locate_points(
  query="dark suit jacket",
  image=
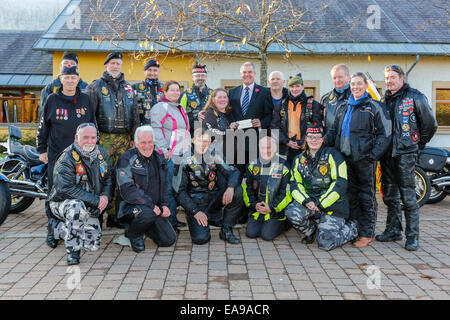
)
(260, 107)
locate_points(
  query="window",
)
(22, 105)
(443, 107)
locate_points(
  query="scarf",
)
(345, 132)
(91, 156)
(343, 89)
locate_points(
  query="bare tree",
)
(248, 30)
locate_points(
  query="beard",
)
(88, 147)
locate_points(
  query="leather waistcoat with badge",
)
(316, 173)
(147, 95)
(266, 180)
(202, 177)
(195, 103)
(305, 118)
(115, 110)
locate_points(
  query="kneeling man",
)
(81, 191)
(141, 176)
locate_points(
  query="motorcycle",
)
(435, 163)
(27, 175)
(5, 198)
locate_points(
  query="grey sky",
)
(30, 15)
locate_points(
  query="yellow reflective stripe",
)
(330, 212)
(343, 170)
(333, 167)
(255, 215)
(183, 101)
(330, 189)
(286, 200)
(297, 196)
(332, 198)
(250, 168)
(266, 216)
(245, 195)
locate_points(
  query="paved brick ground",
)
(255, 269)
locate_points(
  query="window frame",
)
(435, 86)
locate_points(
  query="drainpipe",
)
(410, 69)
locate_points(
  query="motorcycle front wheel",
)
(18, 203)
(423, 186)
(5, 201)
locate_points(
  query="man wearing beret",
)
(116, 112)
(68, 59)
(149, 91)
(194, 99)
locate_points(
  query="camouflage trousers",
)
(332, 231)
(115, 144)
(78, 228)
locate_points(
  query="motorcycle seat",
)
(30, 153)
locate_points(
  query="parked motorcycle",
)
(436, 163)
(26, 173)
(5, 198)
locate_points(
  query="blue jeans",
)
(172, 201)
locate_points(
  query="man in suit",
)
(250, 101)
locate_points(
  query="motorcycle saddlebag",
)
(432, 159)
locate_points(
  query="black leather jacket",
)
(413, 122)
(114, 105)
(333, 103)
(74, 171)
(200, 182)
(133, 179)
(147, 94)
(370, 130)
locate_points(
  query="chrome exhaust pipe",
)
(26, 193)
(441, 182)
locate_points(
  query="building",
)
(408, 34)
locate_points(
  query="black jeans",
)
(52, 157)
(200, 234)
(398, 183)
(140, 220)
(361, 190)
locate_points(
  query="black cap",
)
(70, 70)
(113, 55)
(70, 56)
(198, 68)
(151, 63)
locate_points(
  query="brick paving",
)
(255, 269)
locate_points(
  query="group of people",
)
(139, 151)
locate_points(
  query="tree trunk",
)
(263, 68)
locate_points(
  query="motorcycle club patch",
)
(277, 175)
(80, 169)
(137, 164)
(415, 136)
(255, 170)
(105, 91)
(405, 127)
(189, 90)
(136, 211)
(282, 112)
(255, 185)
(75, 156)
(193, 104)
(212, 176)
(323, 169)
(191, 176)
(141, 86)
(194, 183)
(211, 185)
(412, 117)
(303, 160)
(331, 96)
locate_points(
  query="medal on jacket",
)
(78, 113)
(57, 114)
(66, 112)
(80, 169)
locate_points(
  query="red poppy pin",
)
(160, 90)
(256, 90)
(75, 100)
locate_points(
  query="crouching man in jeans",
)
(141, 176)
(81, 191)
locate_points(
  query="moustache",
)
(88, 147)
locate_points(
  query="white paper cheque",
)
(244, 124)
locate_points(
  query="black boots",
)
(51, 226)
(310, 239)
(390, 235)
(226, 234)
(73, 258)
(137, 244)
(412, 244)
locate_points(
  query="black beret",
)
(70, 56)
(198, 68)
(70, 70)
(113, 55)
(151, 63)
